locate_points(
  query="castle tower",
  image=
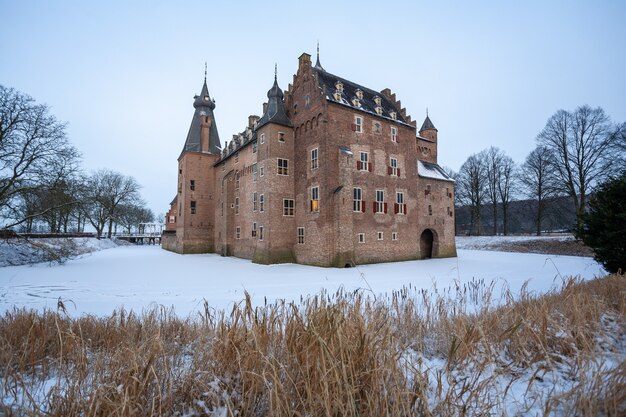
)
(275, 139)
(196, 179)
(428, 130)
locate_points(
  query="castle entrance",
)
(426, 244)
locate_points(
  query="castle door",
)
(426, 244)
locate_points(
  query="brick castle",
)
(332, 174)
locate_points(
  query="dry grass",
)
(417, 353)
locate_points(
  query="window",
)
(260, 232)
(427, 191)
(314, 162)
(288, 207)
(192, 185)
(430, 210)
(359, 94)
(361, 237)
(379, 110)
(283, 166)
(236, 205)
(379, 236)
(393, 167)
(281, 137)
(254, 229)
(262, 138)
(193, 207)
(379, 205)
(172, 219)
(261, 171)
(449, 212)
(377, 100)
(363, 163)
(254, 172)
(262, 203)
(254, 201)
(448, 193)
(358, 124)
(400, 206)
(254, 147)
(306, 101)
(237, 181)
(394, 134)
(357, 202)
(238, 232)
(339, 86)
(394, 235)
(315, 198)
(393, 115)
(300, 235)
(337, 96)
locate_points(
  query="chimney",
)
(304, 62)
(252, 119)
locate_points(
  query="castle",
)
(332, 174)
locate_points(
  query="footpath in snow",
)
(138, 277)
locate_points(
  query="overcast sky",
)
(123, 74)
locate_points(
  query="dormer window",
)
(337, 96)
(356, 102)
(379, 110)
(339, 86)
(393, 115)
(377, 100)
(359, 94)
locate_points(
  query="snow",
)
(487, 242)
(138, 277)
(431, 171)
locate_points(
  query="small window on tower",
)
(281, 137)
(193, 207)
(192, 185)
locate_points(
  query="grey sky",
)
(123, 74)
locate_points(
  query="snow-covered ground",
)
(137, 277)
(487, 242)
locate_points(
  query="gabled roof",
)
(327, 82)
(432, 171)
(427, 124)
(204, 106)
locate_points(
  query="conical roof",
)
(204, 106)
(427, 125)
(275, 107)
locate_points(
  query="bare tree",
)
(34, 154)
(581, 143)
(539, 181)
(506, 183)
(131, 215)
(471, 189)
(106, 192)
(492, 160)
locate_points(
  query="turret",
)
(428, 129)
(203, 136)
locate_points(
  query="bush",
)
(603, 227)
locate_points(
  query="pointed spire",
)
(275, 112)
(205, 72)
(428, 124)
(317, 61)
(275, 71)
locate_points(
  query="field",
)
(488, 333)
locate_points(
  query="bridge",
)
(147, 234)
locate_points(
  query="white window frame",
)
(358, 123)
(393, 163)
(254, 201)
(254, 230)
(394, 235)
(262, 203)
(315, 196)
(289, 210)
(400, 202)
(300, 235)
(262, 171)
(357, 203)
(364, 157)
(314, 158)
(237, 206)
(380, 203)
(262, 139)
(394, 134)
(379, 236)
(261, 229)
(361, 237)
(238, 232)
(281, 137)
(284, 169)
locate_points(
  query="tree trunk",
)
(505, 220)
(110, 228)
(494, 208)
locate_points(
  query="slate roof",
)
(327, 82)
(432, 171)
(204, 106)
(275, 108)
(428, 124)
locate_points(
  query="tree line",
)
(575, 152)
(42, 183)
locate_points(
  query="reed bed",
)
(453, 352)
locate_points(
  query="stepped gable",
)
(204, 106)
(327, 82)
